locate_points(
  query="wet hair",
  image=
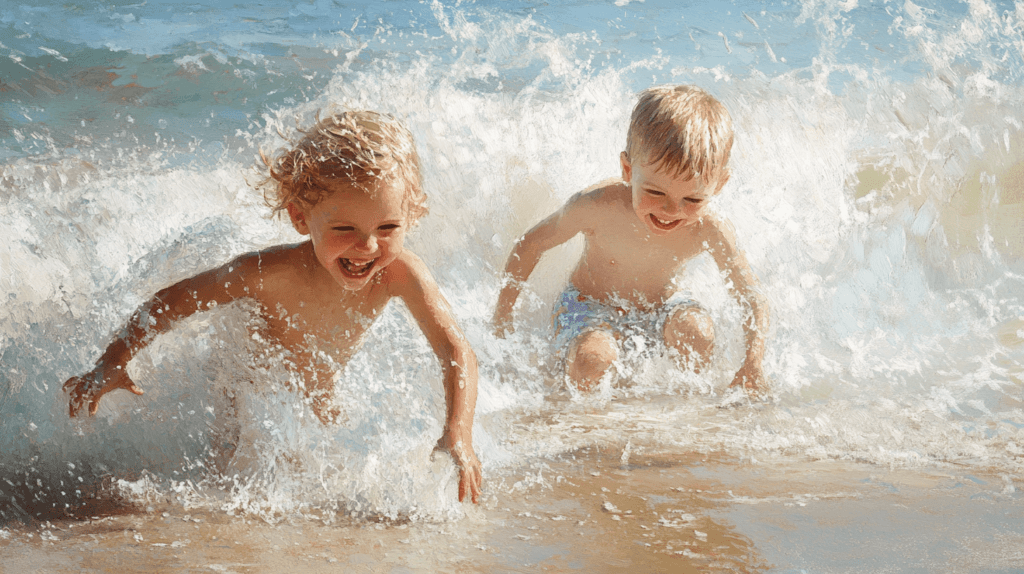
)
(682, 129)
(361, 148)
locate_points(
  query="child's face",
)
(663, 201)
(355, 233)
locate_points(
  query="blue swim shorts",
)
(575, 314)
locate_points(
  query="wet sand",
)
(588, 512)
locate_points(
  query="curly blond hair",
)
(362, 148)
(682, 128)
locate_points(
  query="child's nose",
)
(671, 207)
(369, 243)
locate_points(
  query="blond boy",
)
(638, 233)
(351, 184)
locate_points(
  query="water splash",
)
(877, 189)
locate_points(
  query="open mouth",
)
(356, 268)
(664, 225)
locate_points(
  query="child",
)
(638, 234)
(352, 184)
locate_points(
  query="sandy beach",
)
(586, 512)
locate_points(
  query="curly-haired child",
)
(352, 185)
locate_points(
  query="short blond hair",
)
(683, 129)
(362, 148)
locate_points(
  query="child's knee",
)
(690, 330)
(592, 354)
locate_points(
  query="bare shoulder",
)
(405, 272)
(287, 255)
(589, 212)
(267, 267)
(610, 193)
(409, 278)
(599, 201)
(714, 229)
(719, 237)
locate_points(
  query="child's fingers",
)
(478, 481)
(94, 400)
(78, 388)
(74, 405)
(87, 390)
(469, 489)
(69, 387)
(469, 484)
(78, 404)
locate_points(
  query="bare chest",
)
(306, 323)
(634, 265)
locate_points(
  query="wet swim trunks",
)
(576, 314)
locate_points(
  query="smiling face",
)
(666, 202)
(355, 233)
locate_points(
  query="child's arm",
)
(556, 229)
(156, 316)
(744, 286)
(410, 279)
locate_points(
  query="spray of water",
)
(878, 189)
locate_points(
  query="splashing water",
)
(878, 189)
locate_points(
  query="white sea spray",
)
(877, 190)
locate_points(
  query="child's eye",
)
(343, 228)
(694, 200)
(654, 193)
(389, 227)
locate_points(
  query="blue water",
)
(878, 189)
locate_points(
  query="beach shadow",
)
(30, 497)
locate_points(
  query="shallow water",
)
(878, 189)
(587, 512)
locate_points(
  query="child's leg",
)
(590, 357)
(690, 331)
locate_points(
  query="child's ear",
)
(298, 217)
(627, 167)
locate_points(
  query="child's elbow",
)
(758, 301)
(464, 359)
(759, 307)
(459, 360)
(532, 245)
(524, 250)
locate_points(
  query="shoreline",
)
(587, 511)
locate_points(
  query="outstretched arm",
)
(155, 316)
(411, 280)
(744, 286)
(555, 230)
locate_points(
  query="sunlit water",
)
(878, 189)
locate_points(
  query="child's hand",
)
(470, 473)
(750, 377)
(88, 388)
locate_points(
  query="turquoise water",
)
(878, 189)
